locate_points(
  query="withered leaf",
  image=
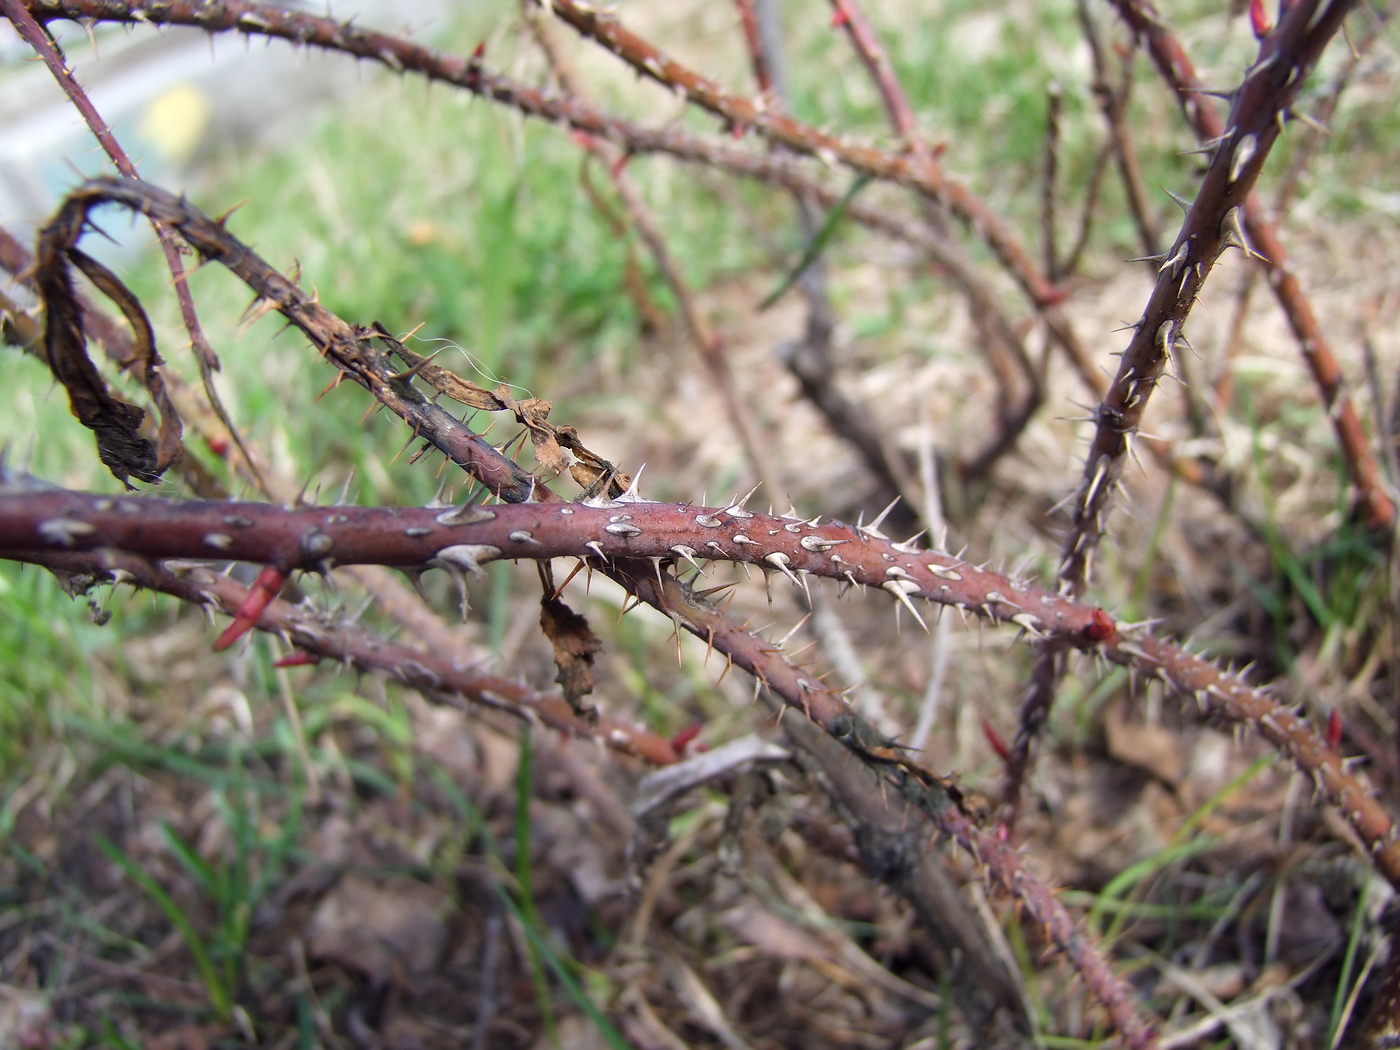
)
(115, 423)
(556, 448)
(144, 355)
(574, 647)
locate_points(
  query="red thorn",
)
(478, 53)
(619, 164)
(685, 736)
(839, 17)
(264, 589)
(994, 738)
(582, 139)
(736, 130)
(1100, 628)
(218, 444)
(300, 658)
(1334, 729)
(1259, 19)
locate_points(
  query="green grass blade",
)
(1339, 1000)
(540, 944)
(200, 870)
(818, 242)
(219, 996)
(529, 914)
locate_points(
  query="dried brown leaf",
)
(115, 423)
(1151, 748)
(557, 448)
(575, 645)
(144, 360)
(393, 930)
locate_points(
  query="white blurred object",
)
(168, 94)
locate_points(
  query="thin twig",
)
(850, 17)
(917, 171)
(396, 53)
(1113, 102)
(1019, 382)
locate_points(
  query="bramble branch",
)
(661, 537)
(352, 350)
(1211, 226)
(1179, 73)
(918, 170)
(778, 169)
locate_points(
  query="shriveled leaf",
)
(145, 358)
(574, 647)
(557, 448)
(393, 930)
(115, 423)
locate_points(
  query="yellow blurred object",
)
(422, 233)
(175, 122)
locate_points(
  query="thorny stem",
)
(625, 533)
(400, 602)
(1222, 691)
(328, 638)
(919, 173)
(401, 55)
(351, 349)
(638, 538)
(775, 169)
(312, 537)
(1317, 130)
(1211, 225)
(1179, 73)
(706, 339)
